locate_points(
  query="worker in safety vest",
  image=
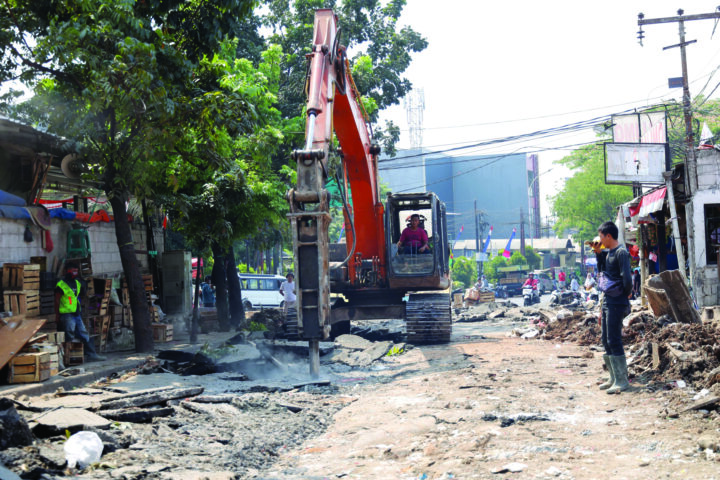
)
(67, 301)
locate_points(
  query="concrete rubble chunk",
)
(70, 418)
(352, 342)
(668, 294)
(14, 432)
(513, 467)
(6, 474)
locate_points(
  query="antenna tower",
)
(414, 107)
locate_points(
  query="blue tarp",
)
(62, 213)
(14, 212)
(10, 199)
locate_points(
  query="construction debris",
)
(14, 432)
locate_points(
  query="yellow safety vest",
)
(69, 299)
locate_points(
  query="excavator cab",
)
(413, 270)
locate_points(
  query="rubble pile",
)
(577, 326)
(661, 351)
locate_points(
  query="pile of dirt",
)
(677, 351)
(271, 319)
(578, 326)
(658, 349)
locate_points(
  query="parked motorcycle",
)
(501, 292)
(530, 296)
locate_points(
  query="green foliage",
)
(257, 327)
(243, 268)
(585, 202)
(490, 268)
(395, 350)
(219, 352)
(517, 258)
(464, 270)
(533, 259)
(380, 52)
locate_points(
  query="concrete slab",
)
(352, 342)
(69, 418)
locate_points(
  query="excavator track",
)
(428, 318)
(291, 325)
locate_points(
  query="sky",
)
(496, 69)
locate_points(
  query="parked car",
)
(545, 283)
(261, 290)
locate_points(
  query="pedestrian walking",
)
(287, 290)
(636, 284)
(208, 292)
(615, 281)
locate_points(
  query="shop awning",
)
(650, 202)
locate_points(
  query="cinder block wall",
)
(706, 281)
(103, 244)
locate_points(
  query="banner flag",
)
(506, 252)
(487, 241)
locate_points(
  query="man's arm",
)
(624, 259)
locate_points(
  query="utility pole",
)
(477, 239)
(522, 233)
(691, 161)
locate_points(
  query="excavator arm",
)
(332, 108)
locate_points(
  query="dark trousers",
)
(612, 317)
(75, 330)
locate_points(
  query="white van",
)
(261, 290)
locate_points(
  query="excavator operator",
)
(414, 238)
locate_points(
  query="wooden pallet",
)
(47, 302)
(29, 367)
(25, 302)
(21, 276)
(47, 347)
(147, 280)
(485, 297)
(162, 332)
(73, 353)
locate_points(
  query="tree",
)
(380, 51)
(517, 258)
(491, 267)
(121, 78)
(533, 259)
(585, 202)
(464, 270)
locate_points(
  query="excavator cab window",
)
(412, 263)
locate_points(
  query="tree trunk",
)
(237, 312)
(195, 322)
(219, 279)
(276, 259)
(131, 267)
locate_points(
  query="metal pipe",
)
(675, 227)
(311, 132)
(314, 350)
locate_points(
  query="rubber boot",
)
(621, 376)
(609, 382)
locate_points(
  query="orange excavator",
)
(369, 276)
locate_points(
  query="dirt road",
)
(485, 406)
(470, 409)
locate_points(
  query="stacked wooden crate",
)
(162, 332)
(73, 353)
(50, 343)
(99, 317)
(21, 288)
(29, 367)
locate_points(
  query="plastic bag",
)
(82, 449)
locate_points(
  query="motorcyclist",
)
(532, 282)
